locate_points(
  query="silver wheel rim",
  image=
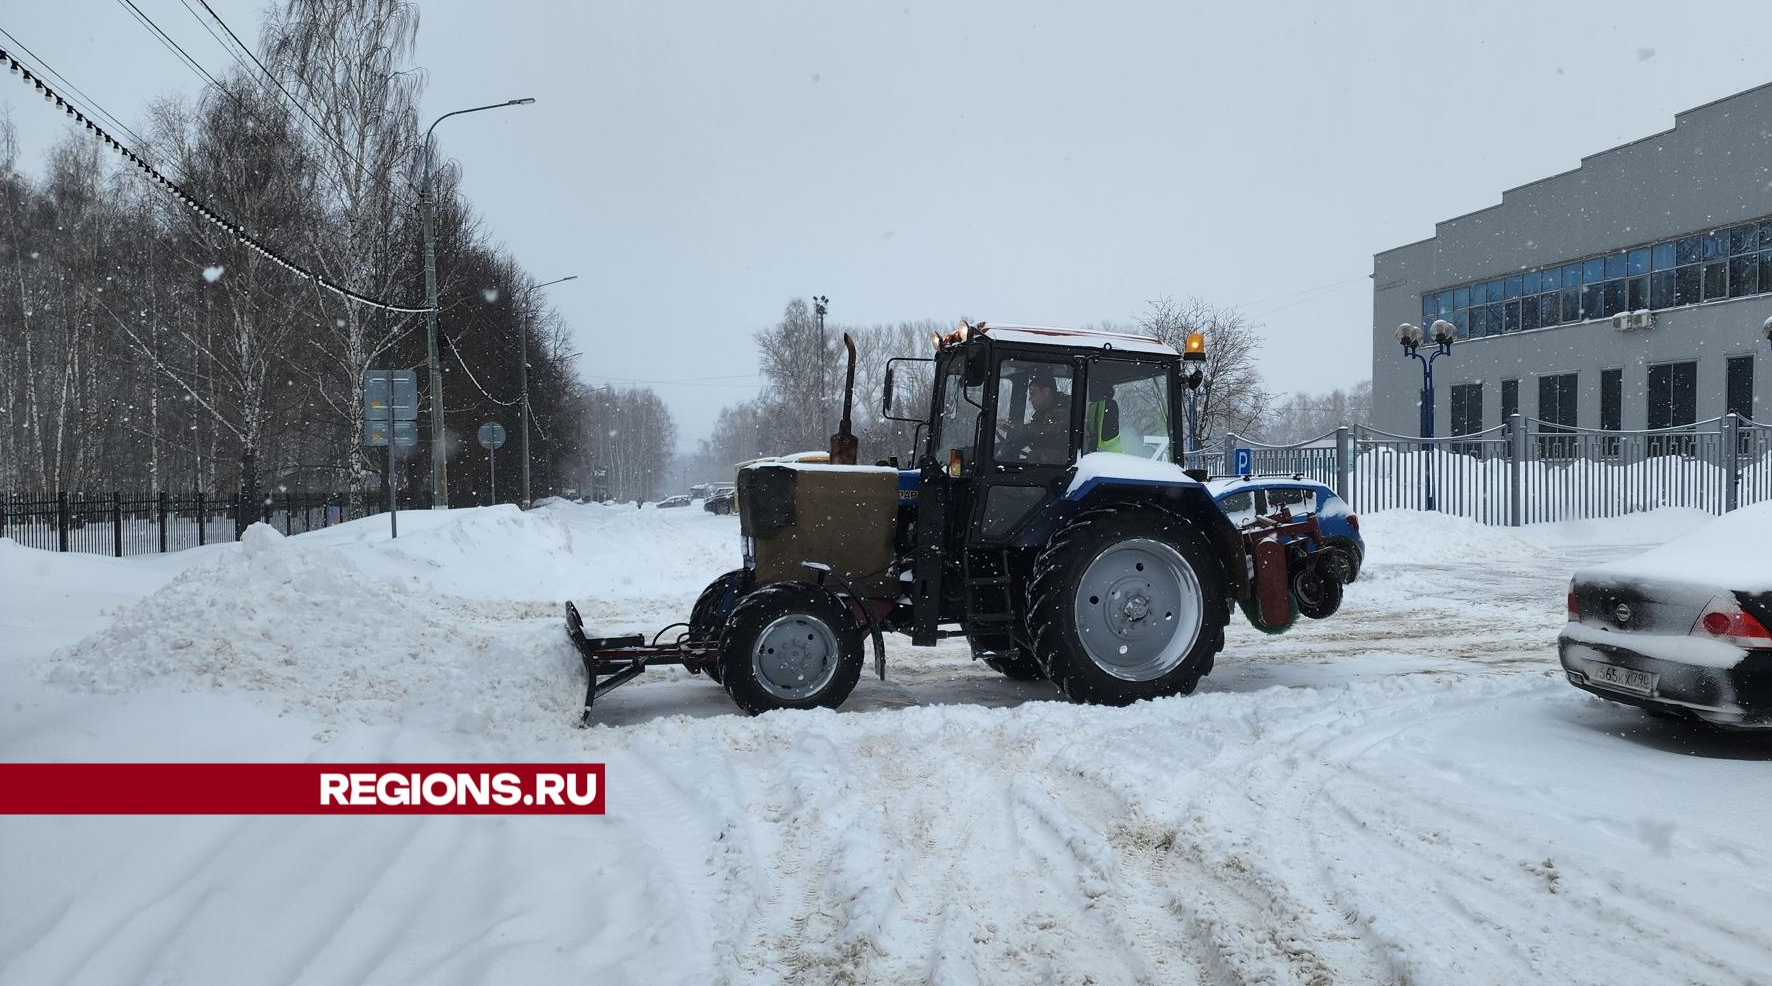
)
(1138, 609)
(795, 657)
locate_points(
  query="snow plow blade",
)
(611, 662)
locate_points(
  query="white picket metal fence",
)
(1528, 471)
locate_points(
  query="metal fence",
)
(121, 524)
(1529, 471)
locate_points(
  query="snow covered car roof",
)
(1732, 552)
(1046, 335)
(1218, 487)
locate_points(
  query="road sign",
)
(378, 394)
(492, 435)
(376, 433)
(1245, 462)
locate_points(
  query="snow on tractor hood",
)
(1118, 467)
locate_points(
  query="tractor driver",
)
(1046, 435)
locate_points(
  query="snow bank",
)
(460, 618)
(1419, 537)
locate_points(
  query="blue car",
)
(1245, 498)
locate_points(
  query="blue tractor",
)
(1048, 521)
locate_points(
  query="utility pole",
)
(523, 379)
(439, 463)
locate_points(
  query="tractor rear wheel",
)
(1014, 663)
(708, 617)
(790, 645)
(1127, 603)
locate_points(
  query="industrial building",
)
(1627, 293)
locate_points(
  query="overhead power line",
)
(112, 119)
(194, 204)
(318, 130)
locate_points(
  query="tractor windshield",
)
(957, 428)
(1129, 409)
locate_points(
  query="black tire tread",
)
(1046, 592)
(754, 612)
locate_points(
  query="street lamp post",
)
(523, 381)
(439, 471)
(1411, 337)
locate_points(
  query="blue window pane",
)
(1479, 322)
(1766, 270)
(1461, 321)
(1716, 245)
(1550, 278)
(1510, 317)
(1615, 266)
(1687, 251)
(1744, 275)
(1593, 271)
(1663, 256)
(1741, 239)
(1686, 284)
(1661, 289)
(1427, 310)
(1572, 276)
(1593, 299)
(1445, 301)
(1571, 304)
(1461, 298)
(1530, 283)
(1549, 313)
(1614, 299)
(1495, 319)
(1716, 281)
(1492, 292)
(1637, 262)
(1510, 288)
(1765, 236)
(1639, 294)
(1528, 314)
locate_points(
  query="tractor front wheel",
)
(1127, 603)
(790, 645)
(708, 617)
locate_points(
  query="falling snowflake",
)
(213, 274)
(491, 295)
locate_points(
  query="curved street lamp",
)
(1444, 334)
(439, 465)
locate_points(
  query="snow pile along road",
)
(1406, 793)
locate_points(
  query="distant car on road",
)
(673, 501)
(1245, 498)
(719, 502)
(1681, 630)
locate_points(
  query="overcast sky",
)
(698, 164)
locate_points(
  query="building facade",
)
(1628, 293)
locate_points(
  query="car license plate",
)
(1623, 679)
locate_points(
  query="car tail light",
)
(1725, 620)
(1353, 521)
(1574, 608)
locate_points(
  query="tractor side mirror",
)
(977, 368)
(886, 401)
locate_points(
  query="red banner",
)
(300, 789)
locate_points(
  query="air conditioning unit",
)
(1625, 321)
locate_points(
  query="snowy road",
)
(1408, 793)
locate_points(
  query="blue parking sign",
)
(1245, 462)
